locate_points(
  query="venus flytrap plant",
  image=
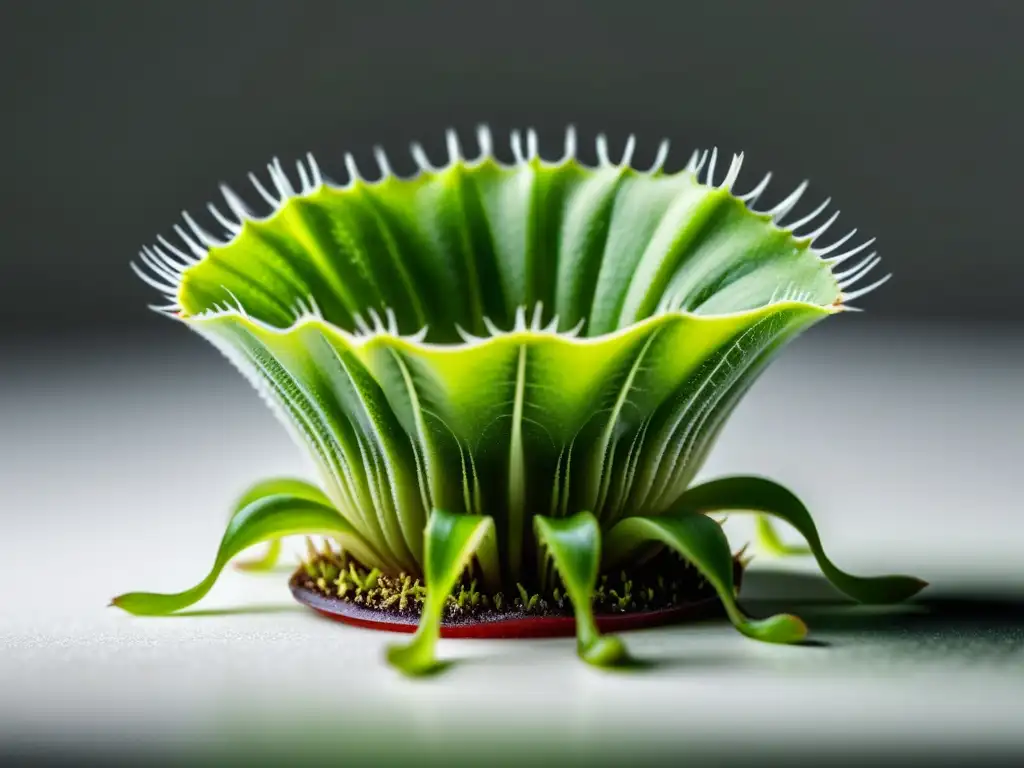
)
(507, 377)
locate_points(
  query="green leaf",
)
(450, 541)
(768, 541)
(574, 544)
(272, 487)
(701, 540)
(265, 519)
(757, 494)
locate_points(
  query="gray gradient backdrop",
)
(118, 114)
(123, 437)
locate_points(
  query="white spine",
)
(162, 266)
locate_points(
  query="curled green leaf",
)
(267, 518)
(702, 541)
(450, 541)
(758, 494)
(574, 544)
(273, 487)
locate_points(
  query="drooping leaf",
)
(702, 541)
(272, 487)
(267, 518)
(450, 541)
(757, 494)
(769, 542)
(574, 544)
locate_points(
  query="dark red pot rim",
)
(503, 626)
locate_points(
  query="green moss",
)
(664, 582)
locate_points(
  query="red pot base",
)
(508, 625)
